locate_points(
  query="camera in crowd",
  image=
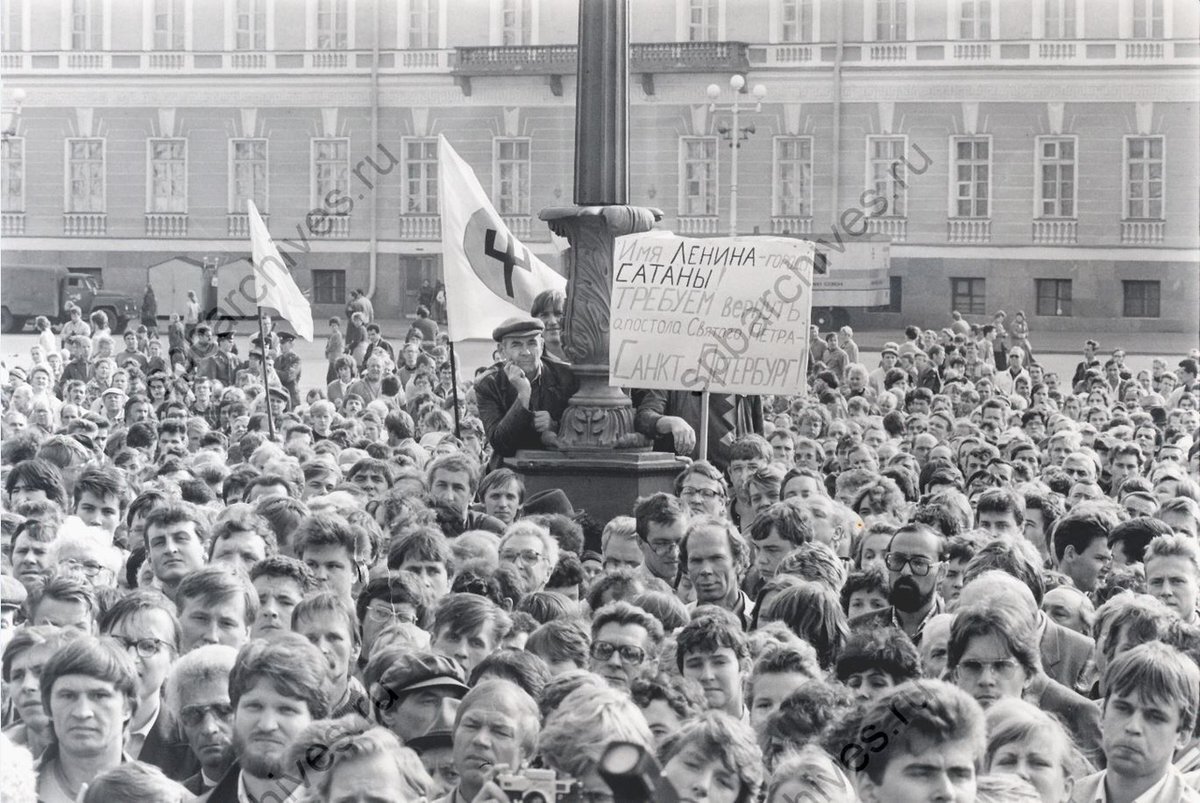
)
(538, 786)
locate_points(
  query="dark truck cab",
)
(32, 290)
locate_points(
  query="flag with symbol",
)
(274, 285)
(490, 274)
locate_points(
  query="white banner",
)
(728, 314)
(490, 275)
(275, 286)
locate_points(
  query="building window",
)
(1144, 178)
(87, 24)
(516, 25)
(793, 176)
(329, 286)
(1147, 19)
(968, 296)
(512, 176)
(85, 175)
(975, 19)
(891, 20)
(703, 20)
(972, 177)
(251, 19)
(168, 175)
(331, 169)
(248, 174)
(12, 173)
(1056, 168)
(1060, 19)
(698, 176)
(796, 20)
(169, 22)
(1141, 299)
(1054, 298)
(888, 174)
(332, 25)
(421, 176)
(423, 24)
(11, 39)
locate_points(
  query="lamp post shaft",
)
(735, 143)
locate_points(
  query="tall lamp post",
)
(735, 133)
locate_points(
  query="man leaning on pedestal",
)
(523, 397)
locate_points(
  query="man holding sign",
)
(523, 397)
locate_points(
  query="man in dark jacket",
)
(522, 399)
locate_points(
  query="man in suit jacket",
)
(1066, 655)
(1079, 715)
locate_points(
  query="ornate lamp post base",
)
(599, 417)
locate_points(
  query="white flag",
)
(275, 286)
(490, 275)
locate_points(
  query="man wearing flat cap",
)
(414, 692)
(522, 397)
(223, 364)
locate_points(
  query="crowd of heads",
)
(955, 575)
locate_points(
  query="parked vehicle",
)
(32, 290)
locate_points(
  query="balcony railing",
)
(520, 225)
(1143, 232)
(12, 224)
(1028, 52)
(330, 227)
(1055, 232)
(237, 224)
(233, 61)
(656, 57)
(791, 225)
(85, 224)
(894, 227)
(689, 224)
(420, 227)
(166, 224)
(969, 230)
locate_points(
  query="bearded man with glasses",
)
(916, 566)
(625, 644)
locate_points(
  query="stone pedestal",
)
(604, 483)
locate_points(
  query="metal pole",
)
(735, 142)
(704, 399)
(454, 391)
(262, 339)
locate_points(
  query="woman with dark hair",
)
(992, 654)
(549, 306)
(814, 613)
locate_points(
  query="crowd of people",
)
(951, 576)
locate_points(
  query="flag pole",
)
(454, 391)
(704, 403)
(262, 340)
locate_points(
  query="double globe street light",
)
(735, 133)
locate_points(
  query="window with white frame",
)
(793, 176)
(87, 24)
(887, 175)
(796, 20)
(703, 20)
(168, 175)
(11, 38)
(698, 176)
(972, 177)
(891, 20)
(332, 24)
(331, 169)
(1147, 19)
(12, 173)
(1056, 175)
(975, 19)
(169, 21)
(1144, 178)
(1059, 19)
(250, 19)
(516, 22)
(423, 24)
(247, 174)
(511, 165)
(85, 175)
(421, 176)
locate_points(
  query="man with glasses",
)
(397, 599)
(915, 567)
(661, 524)
(702, 488)
(625, 644)
(86, 556)
(197, 698)
(532, 551)
(145, 625)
